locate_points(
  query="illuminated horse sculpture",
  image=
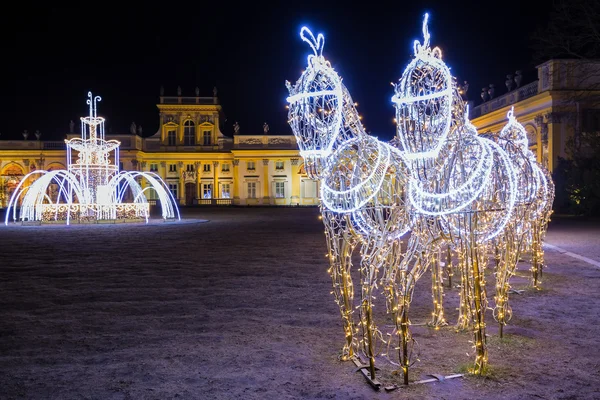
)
(467, 183)
(362, 183)
(533, 208)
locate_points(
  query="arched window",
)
(189, 133)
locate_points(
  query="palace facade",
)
(563, 101)
(200, 164)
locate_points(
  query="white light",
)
(92, 188)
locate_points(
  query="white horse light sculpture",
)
(482, 191)
(362, 183)
(526, 230)
(465, 181)
(92, 188)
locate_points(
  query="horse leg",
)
(437, 292)
(341, 245)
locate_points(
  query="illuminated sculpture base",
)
(82, 213)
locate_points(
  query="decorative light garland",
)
(92, 188)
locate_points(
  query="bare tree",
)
(573, 33)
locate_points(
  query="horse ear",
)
(309, 38)
(320, 43)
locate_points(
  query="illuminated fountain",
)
(92, 188)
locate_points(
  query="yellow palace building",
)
(565, 99)
(200, 164)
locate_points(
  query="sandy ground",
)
(240, 307)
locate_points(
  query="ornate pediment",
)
(188, 175)
(250, 141)
(279, 140)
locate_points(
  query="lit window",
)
(153, 167)
(225, 167)
(279, 165)
(206, 191)
(279, 189)
(250, 166)
(225, 190)
(173, 189)
(251, 190)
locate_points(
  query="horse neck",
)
(428, 168)
(351, 126)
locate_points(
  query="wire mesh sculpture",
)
(362, 183)
(92, 188)
(455, 173)
(482, 191)
(532, 212)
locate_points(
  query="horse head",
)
(315, 107)
(424, 99)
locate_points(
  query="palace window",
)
(189, 133)
(279, 165)
(171, 138)
(151, 194)
(206, 167)
(250, 166)
(172, 167)
(173, 189)
(153, 167)
(189, 167)
(207, 191)
(225, 167)
(279, 189)
(206, 137)
(225, 190)
(309, 189)
(251, 190)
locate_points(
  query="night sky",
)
(54, 55)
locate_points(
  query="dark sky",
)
(55, 55)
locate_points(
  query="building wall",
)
(551, 109)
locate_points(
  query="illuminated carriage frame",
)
(92, 188)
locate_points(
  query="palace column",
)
(181, 182)
(142, 165)
(197, 166)
(542, 137)
(295, 182)
(215, 191)
(163, 170)
(236, 181)
(266, 198)
(555, 139)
